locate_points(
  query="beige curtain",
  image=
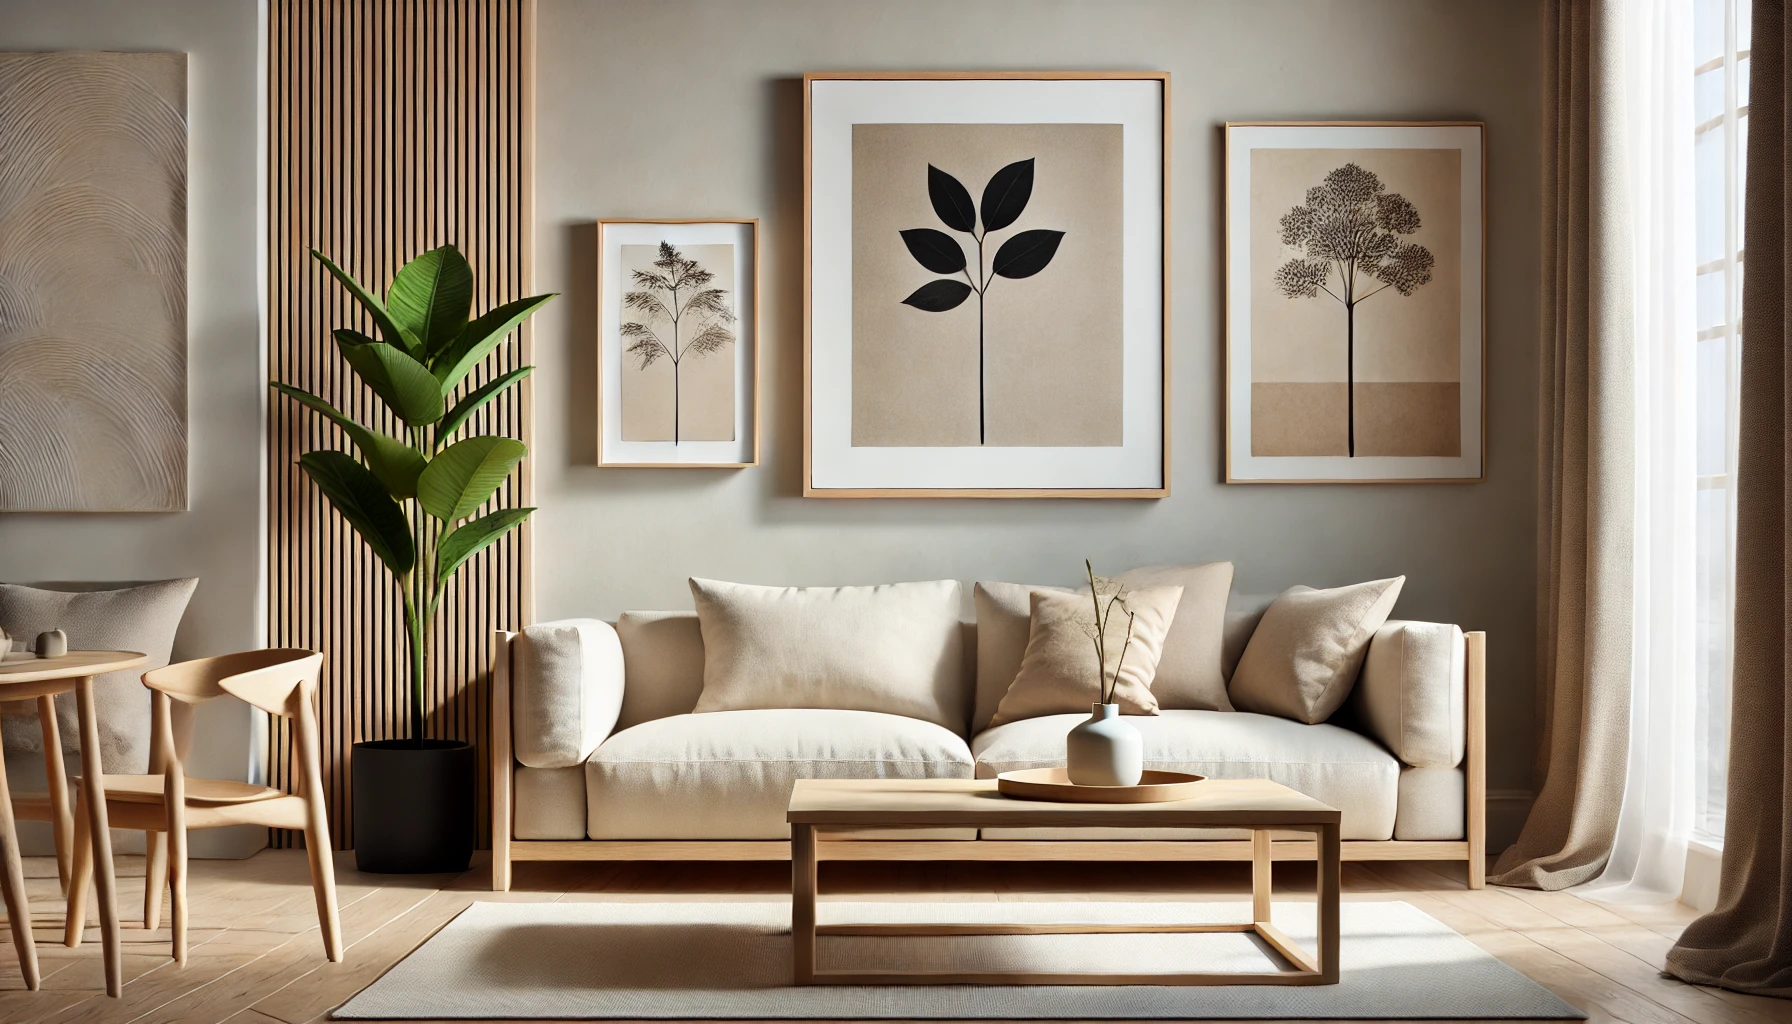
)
(1746, 943)
(1586, 456)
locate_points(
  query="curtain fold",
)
(1586, 439)
(1746, 942)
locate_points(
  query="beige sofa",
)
(596, 755)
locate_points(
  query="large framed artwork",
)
(1355, 257)
(678, 343)
(985, 284)
(93, 282)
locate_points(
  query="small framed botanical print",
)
(1354, 302)
(678, 343)
(985, 284)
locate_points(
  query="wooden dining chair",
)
(280, 682)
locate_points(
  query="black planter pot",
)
(413, 806)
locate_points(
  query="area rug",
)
(731, 961)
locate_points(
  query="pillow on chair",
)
(141, 618)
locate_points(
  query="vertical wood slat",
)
(395, 126)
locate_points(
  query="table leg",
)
(62, 820)
(12, 884)
(100, 835)
(802, 903)
(1260, 874)
(1330, 855)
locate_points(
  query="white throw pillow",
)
(1304, 657)
(896, 648)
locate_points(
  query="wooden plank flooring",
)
(257, 958)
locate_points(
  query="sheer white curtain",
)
(1649, 855)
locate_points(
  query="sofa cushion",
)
(1189, 674)
(662, 656)
(1412, 692)
(728, 774)
(1004, 622)
(566, 690)
(1305, 653)
(897, 649)
(1060, 673)
(549, 803)
(138, 618)
(1432, 804)
(1346, 770)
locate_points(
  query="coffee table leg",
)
(1329, 884)
(1260, 875)
(802, 903)
(106, 882)
(12, 882)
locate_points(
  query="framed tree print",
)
(1355, 298)
(678, 343)
(985, 284)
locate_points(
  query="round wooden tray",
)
(1054, 784)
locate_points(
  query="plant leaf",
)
(951, 200)
(360, 499)
(935, 250)
(478, 338)
(405, 385)
(470, 538)
(471, 403)
(430, 297)
(390, 331)
(939, 296)
(1006, 195)
(395, 463)
(1026, 254)
(464, 475)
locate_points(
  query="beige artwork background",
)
(93, 282)
(1053, 341)
(1408, 347)
(706, 382)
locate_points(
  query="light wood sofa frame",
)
(506, 850)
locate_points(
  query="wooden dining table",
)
(42, 679)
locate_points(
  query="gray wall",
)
(219, 538)
(690, 109)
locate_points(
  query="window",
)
(1720, 115)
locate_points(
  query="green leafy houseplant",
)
(415, 501)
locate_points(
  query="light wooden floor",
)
(257, 958)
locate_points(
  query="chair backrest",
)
(272, 680)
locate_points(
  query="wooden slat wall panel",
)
(394, 126)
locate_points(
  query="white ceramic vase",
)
(1105, 750)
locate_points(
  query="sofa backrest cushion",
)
(1189, 674)
(140, 617)
(895, 648)
(662, 656)
(566, 690)
(1304, 656)
(1004, 622)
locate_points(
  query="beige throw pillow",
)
(1304, 657)
(1058, 674)
(897, 649)
(1004, 620)
(1190, 676)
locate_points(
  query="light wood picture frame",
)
(914, 385)
(678, 343)
(1328, 379)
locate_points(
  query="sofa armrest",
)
(1412, 693)
(565, 691)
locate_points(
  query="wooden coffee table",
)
(820, 805)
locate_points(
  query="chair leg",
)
(155, 877)
(323, 884)
(80, 875)
(177, 878)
